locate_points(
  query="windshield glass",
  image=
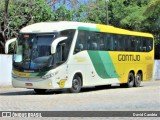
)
(34, 52)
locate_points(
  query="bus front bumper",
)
(34, 83)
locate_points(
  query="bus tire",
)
(40, 91)
(138, 80)
(76, 84)
(130, 82)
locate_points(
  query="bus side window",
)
(115, 39)
(133, 43)
(100, 41)
(121, 42)
(144, 45)
(149, 44)
(128, 43)
(136, 44)
(111, 42)
(108, 42)
(92, 42)
(69, 34)
(140, 49)
(81, 42)
(96, 42)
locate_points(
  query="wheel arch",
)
(132, 71)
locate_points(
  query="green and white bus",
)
(57, 55)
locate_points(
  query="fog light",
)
(50, 84)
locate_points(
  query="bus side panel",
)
(133, 61)
(95, 67)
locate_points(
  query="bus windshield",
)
(34, 52)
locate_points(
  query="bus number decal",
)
(62, 83)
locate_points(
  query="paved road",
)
(144, 98)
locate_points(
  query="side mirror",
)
(55, 43)
(8, 42)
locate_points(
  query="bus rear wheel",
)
(40, 91)
(138, 80)
(130, 82)
(76, 84)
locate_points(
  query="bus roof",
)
(49, 27)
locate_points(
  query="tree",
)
(153, 19)
(19, 13)
(70, 10)
(95, 11)
(128, 13)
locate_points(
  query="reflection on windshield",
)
(33, 52)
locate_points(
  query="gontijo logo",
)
(128, 57)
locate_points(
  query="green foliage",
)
(153, 19)
(96, 11)
(62, 13)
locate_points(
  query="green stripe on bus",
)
(103, 64)
(89, 29)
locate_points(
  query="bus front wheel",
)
(76, 84)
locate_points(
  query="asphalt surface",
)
(144, 98)
(115, 98)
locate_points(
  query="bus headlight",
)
(14, 76)
(48, 76)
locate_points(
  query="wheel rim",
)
(131, 79)
(138, 79)
(76, 84)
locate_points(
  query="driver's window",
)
(60, 55)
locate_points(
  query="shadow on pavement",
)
(64, 91)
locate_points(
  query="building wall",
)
(5, 69)
(156, 75)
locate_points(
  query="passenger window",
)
(81, 41)
(128, 44)
(133, 44)
(149, 44)
(115, 39)
(92, 41)
(95, 41)
(137, 44)
(121, 42)
(109, 42)
(144, 44)
(100, 41)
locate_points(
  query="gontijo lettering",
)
(126, 57)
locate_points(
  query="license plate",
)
(28, 84)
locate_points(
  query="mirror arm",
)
(55, 43)
(8, 42)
